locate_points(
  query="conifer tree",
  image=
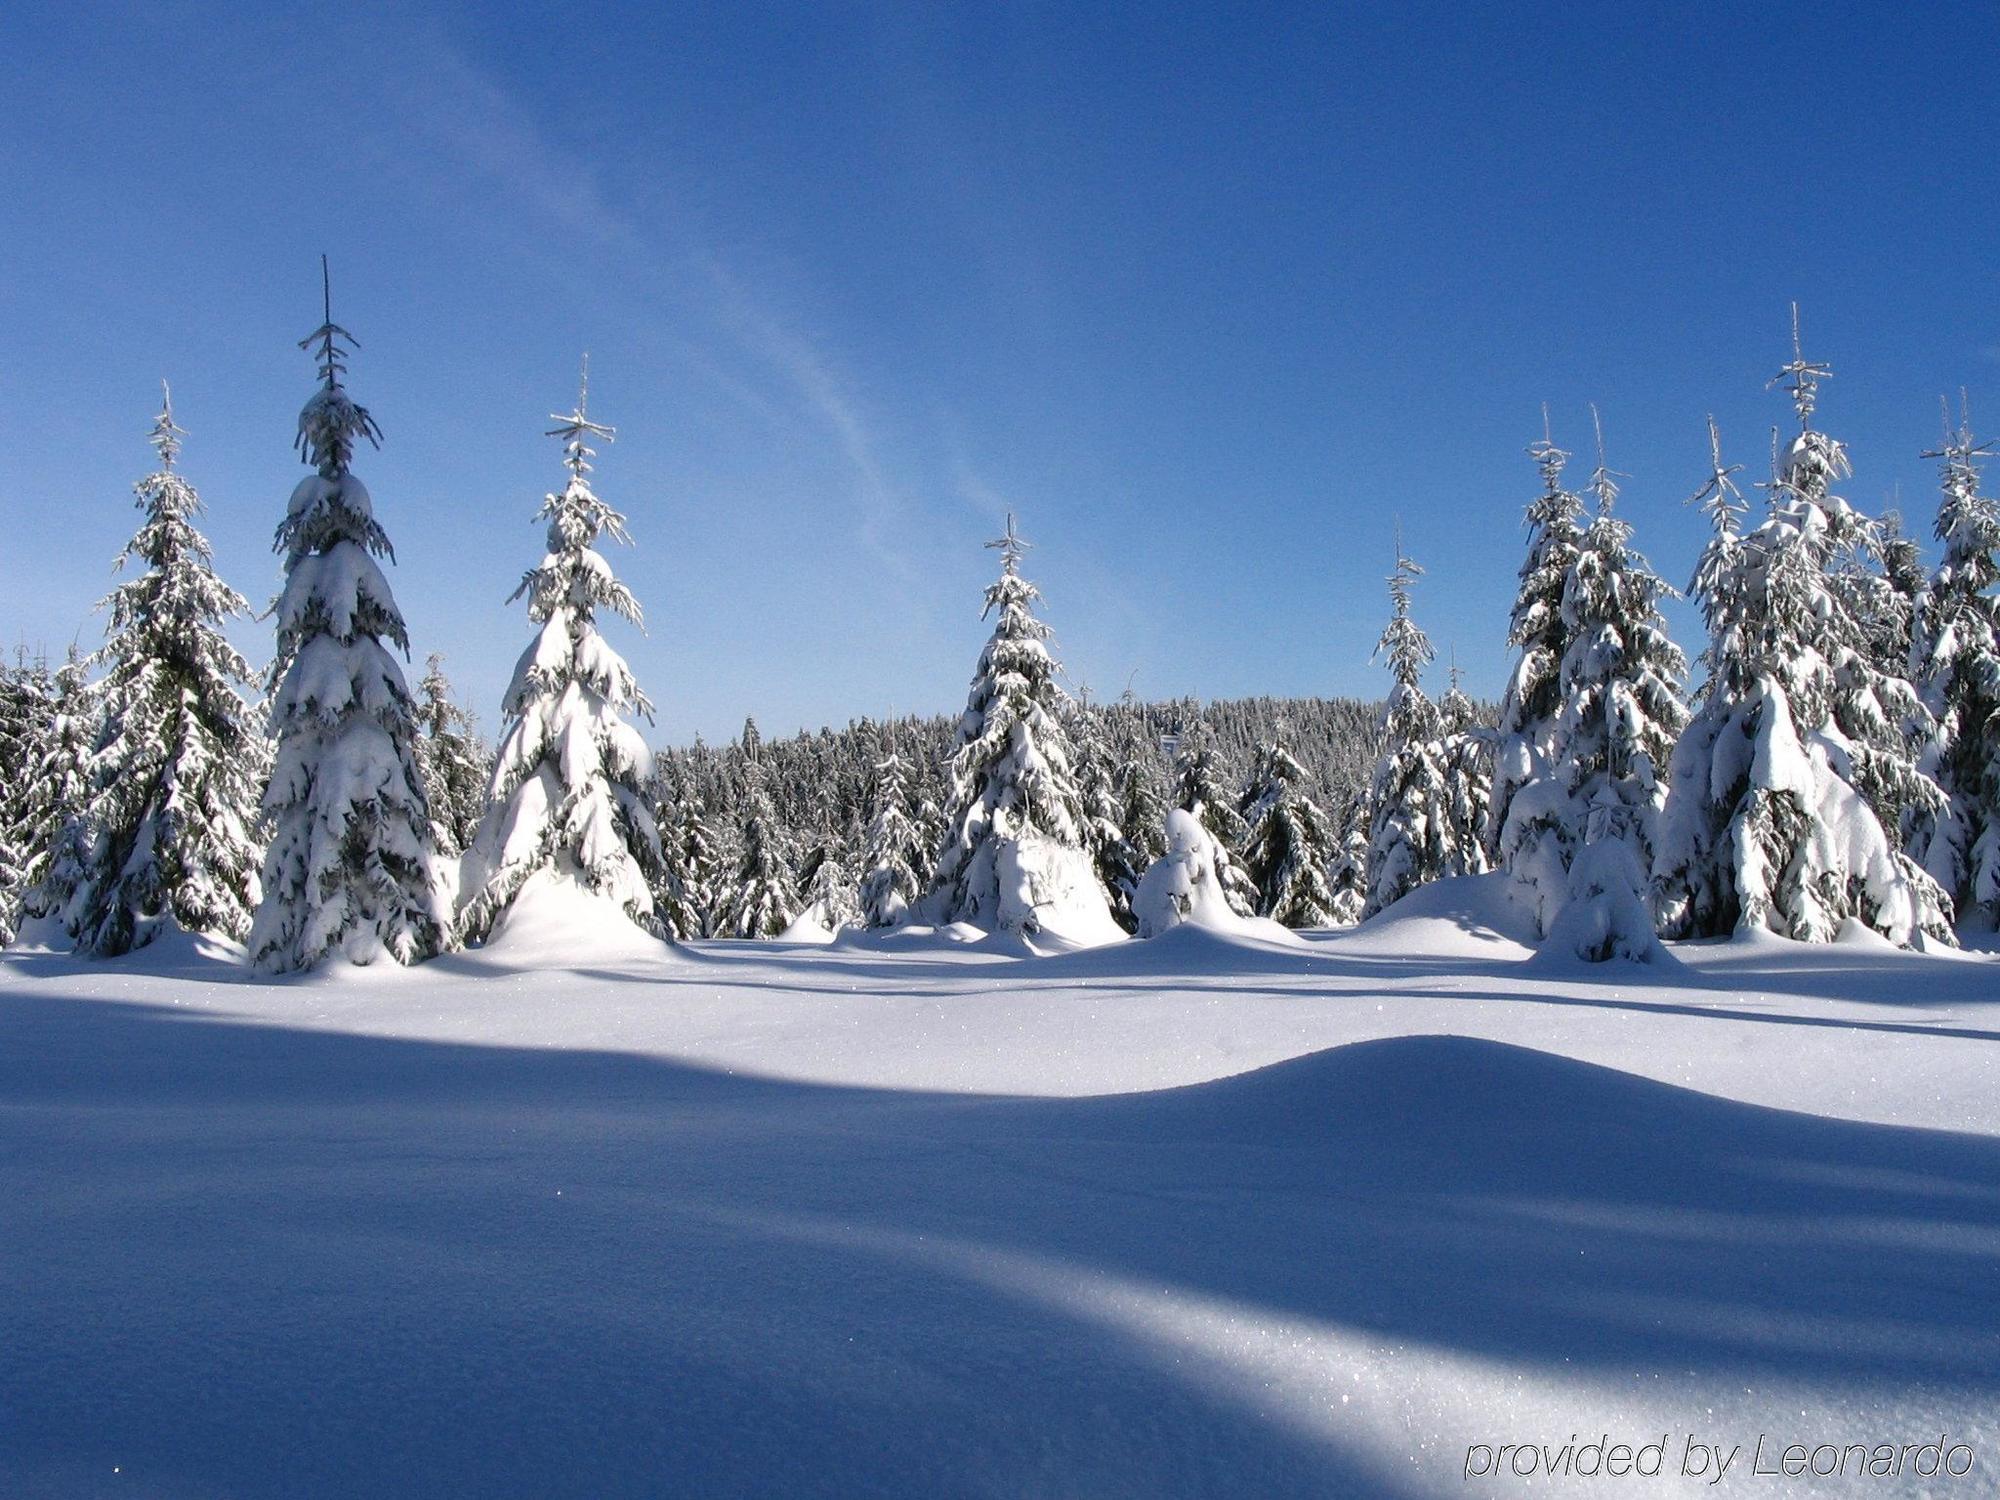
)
(890, 881)
(1622, 709)
(25, 717)
(1956, 659)
(1795, 767)
(762, 903)
(566, 799)
(1014, 856)
(1201, 791)
(1347, 872)
(1117, 863)
(827, 887)
(351, 868)
(58, 807)
(686, 893)
(455, 764)
(1465, 755)
(1289, 843)
(1407, 823)
(1142, 807)
(171, 837)
(1524, 742)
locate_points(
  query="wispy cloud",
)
(466, 126)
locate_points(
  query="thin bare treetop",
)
(1603, 478)
(1547, 456)
(1958, 444)
(1406, 572)
(1801, 377)
(165, 437)
(575, 426)
(1718, 494)
(1011, 546)
(329, 335)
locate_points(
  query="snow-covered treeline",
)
(1831, 761)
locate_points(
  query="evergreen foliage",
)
(167, 798)
(1955, 657)
(566, 796)
(1288, 843)
(351, 869)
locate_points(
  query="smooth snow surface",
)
(909, 1215)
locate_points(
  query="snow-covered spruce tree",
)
(1142, 806)
(1466, 755)
(1408, 830)
(1014, 856)
(1347, 872)
(351, 869)
(178, 762)
(761, 902)
(454, 763)
(1786, 782)
(25, 719)
(58, 822)
(686, 888)
(827, 887)
(1289, 843)
(1200, 790)
(1524, 740)
(1882, 580)
(1956, 660)
(566, 801)
(890, 881)
(1622, 709)
(1118, 864)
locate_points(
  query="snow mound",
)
(1049, 892)
(806, 927)
(1464, 916)
(1604, 918)
(1428, 1097)
(1183, 887)
(553, 921)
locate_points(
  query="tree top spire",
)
(1958, 445)
(1801, 377)
(1718, 494)
(1011, 546)
(165, 437)
(1547, 456)
(576, 426)
(329, 335)
(1603, 477)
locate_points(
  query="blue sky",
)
(1208, 295)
